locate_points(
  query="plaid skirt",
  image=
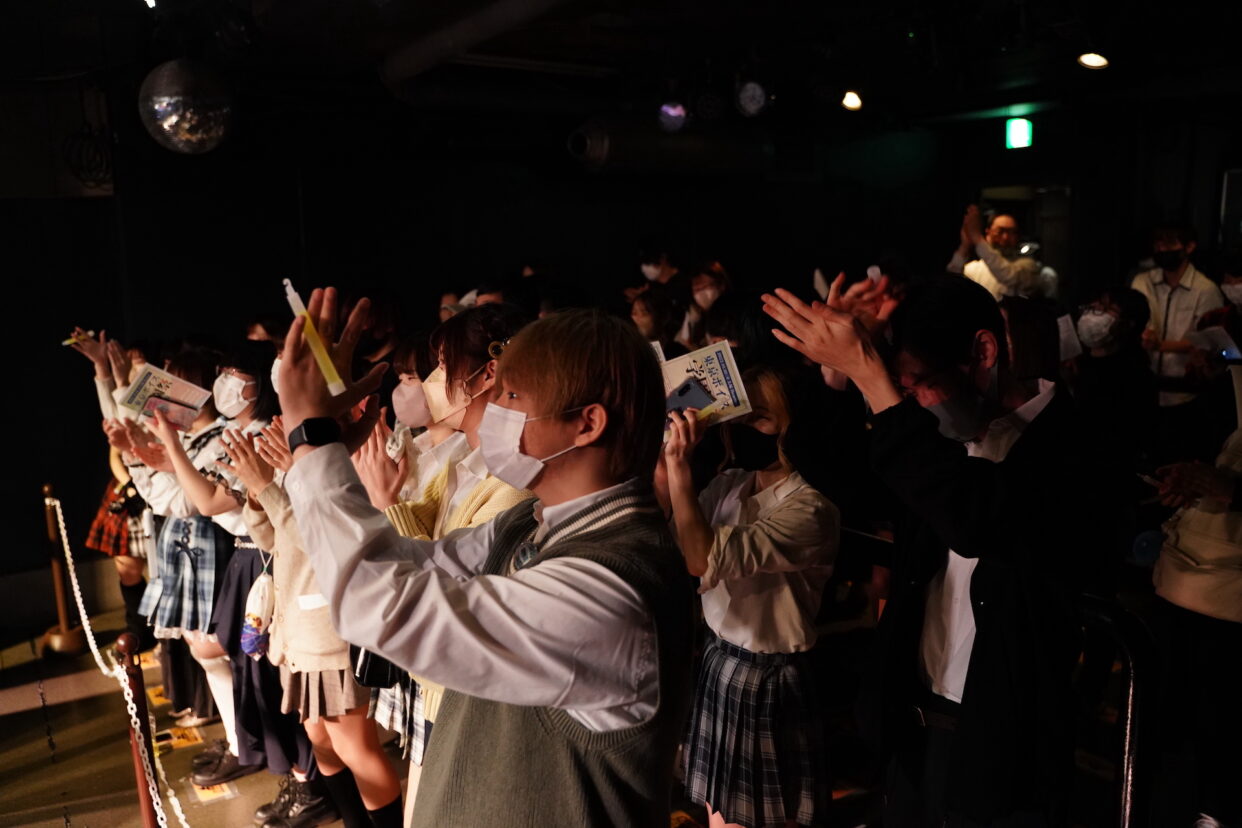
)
(193, 554)
(755, 750)
(400, 708)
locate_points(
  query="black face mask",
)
(1169, 259)
(753, 450)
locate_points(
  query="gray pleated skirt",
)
(320, 693)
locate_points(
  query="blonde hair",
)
(576, 358)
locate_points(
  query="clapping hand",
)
(867, 301)
(244, 462)
(120, 363)
(96, 350)
(381, 476)
(273, 446)
(303, 390)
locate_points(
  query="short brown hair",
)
(575, 358)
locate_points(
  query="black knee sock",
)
(390, 816)
(343, 791)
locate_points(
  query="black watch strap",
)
(315, 431)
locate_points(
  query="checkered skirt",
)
(755, 748)
(193, 555)
(400, 708)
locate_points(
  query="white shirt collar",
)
(773, 495)
(1003, 432)
(472, 464)
(549, 517)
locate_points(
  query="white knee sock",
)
(220, 682)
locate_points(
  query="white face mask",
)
(409, 403)
(1233, 292)
(228, 392)
(276, 374)
(1095, 328)
(500, 441)
(706, 297)
(651, 271)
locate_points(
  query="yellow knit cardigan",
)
(417, 519)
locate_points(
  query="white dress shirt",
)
(949, 618)
(425, 460)
(565, 633)
(463, 476)
(1175, 313)
(771, 557)
(1002, 277)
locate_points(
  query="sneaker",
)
(226, 768)
(307, 809)
(278, 806)
(190, 720)
(210, 755)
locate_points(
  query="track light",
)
(672, 116)
(1092, 60)
(852, 101)
(751, 98)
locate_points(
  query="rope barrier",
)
(151, 764)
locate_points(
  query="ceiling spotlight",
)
(1092, 60)
(751, 99)
(672, 116)
(852, 101)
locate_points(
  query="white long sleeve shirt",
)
(1002, 277)
(1175, 313)
(565, 633)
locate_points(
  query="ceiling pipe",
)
(460, 36)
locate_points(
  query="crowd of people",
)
(569, 599)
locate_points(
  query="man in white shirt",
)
(562, 627)
(990, 257)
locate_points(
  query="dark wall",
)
(388, 196)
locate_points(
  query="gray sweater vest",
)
(490, 763)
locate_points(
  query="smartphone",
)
(690, 394)
(181, 417)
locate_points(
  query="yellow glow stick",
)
(335, 386)
(74, 340)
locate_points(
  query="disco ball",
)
(185, 107)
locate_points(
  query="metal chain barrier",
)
(151, 764)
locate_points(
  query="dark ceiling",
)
(912, 62)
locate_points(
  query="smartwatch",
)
(315, 431)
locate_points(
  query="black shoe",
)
(278, 806)
(306, 810)
(210, 755)
(225, 769)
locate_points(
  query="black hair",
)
(413, 354)
(938, 321)
(195, 364)
(1170, 230)
(667, 314)
(254, 358)
(275, 325)
(465, 341)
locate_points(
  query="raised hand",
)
(303, 390)
(120, 363)
(273, 446)
(869, 302)
(972, 225)
(685, 431)
(382, 478)
(245, 462)
(834, 340)
(96, 350)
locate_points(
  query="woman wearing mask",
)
(709, 283)
(318, 685)
(462, 493)
(421, 444)
(1112, 380)
(192, 551)
(762, 542)
(246, 401)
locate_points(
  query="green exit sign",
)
(1018, 133)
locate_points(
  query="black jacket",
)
(1041, 523)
